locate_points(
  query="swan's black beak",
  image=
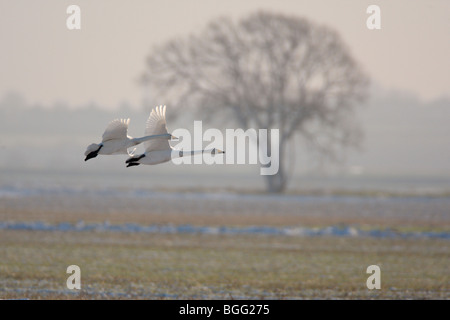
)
(218, 151)
(173, 137)
(91, 155)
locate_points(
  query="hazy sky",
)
(100, 63)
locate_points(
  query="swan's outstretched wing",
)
(156, 124)
(116, 129)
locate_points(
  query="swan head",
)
(92, 151)
(217, 151)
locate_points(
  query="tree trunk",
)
(276, 183)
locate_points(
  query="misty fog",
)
(402, 136)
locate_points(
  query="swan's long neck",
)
(155, 136)
(181, 153)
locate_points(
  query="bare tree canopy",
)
(270, 71)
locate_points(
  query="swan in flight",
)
(159, 151)
(115, 140)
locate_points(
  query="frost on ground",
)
(116, 265)
(141, 244)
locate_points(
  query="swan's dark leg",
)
(131, 160)
(131, 164)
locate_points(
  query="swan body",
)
(115, 140)
(160, 151)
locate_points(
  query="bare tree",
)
(269, 71)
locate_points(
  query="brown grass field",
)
(121, 265)
(142, 266)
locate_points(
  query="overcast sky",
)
(100, 63)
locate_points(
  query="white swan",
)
(159, 151)
(115, 140)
